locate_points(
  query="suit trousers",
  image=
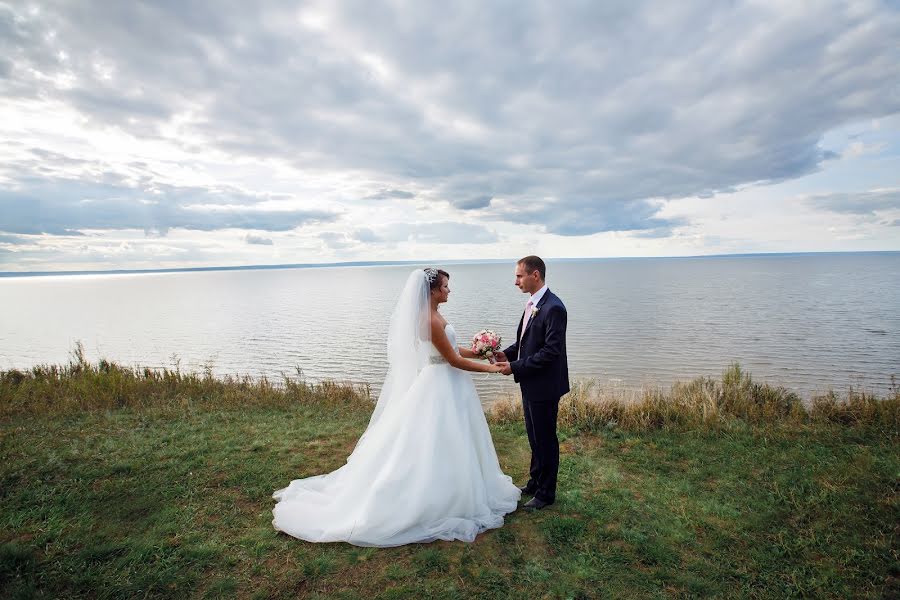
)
(540, 424)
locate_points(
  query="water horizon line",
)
(380, 263)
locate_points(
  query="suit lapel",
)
(531, 321)
(544, 299)
(519, 335)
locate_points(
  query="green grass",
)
(173, 499)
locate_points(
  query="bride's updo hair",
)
(435, 277)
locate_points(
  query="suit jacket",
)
(538, 358)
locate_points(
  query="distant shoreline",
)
(388, 263)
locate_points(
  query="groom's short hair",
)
(534, 263)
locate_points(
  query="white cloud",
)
(371, 129)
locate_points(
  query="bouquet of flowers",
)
(485, 343)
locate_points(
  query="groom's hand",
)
(505, 369)
(500, 357)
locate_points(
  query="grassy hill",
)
(120, 482)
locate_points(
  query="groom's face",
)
(529, 283)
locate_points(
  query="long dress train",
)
(425, 470)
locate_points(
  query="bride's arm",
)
(467, 353)
(443, 345)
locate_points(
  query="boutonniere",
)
(534, 312)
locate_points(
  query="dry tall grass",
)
(83, 386)
(710, 404)
(702, 403)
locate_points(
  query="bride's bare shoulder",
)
(437, 322)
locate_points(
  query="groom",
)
(539, 365)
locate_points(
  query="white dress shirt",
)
(535, 298)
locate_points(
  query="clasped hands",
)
(499, 359)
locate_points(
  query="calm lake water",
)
(808, 322)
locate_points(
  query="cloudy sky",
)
(162, 133)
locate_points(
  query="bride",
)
(425, 468)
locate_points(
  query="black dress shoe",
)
(536, 504)
(526, 491)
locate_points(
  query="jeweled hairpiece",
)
(431, 274)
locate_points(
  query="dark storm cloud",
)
(258, 240)
(61, 206)
(391, 195)
(472, 203)
(583, 115)
(861, 203)
(586, 217)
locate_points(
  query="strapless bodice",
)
(433, 353)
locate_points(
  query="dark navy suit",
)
(540, 367)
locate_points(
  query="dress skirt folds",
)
(425, 470)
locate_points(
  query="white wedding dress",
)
(425, 469)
